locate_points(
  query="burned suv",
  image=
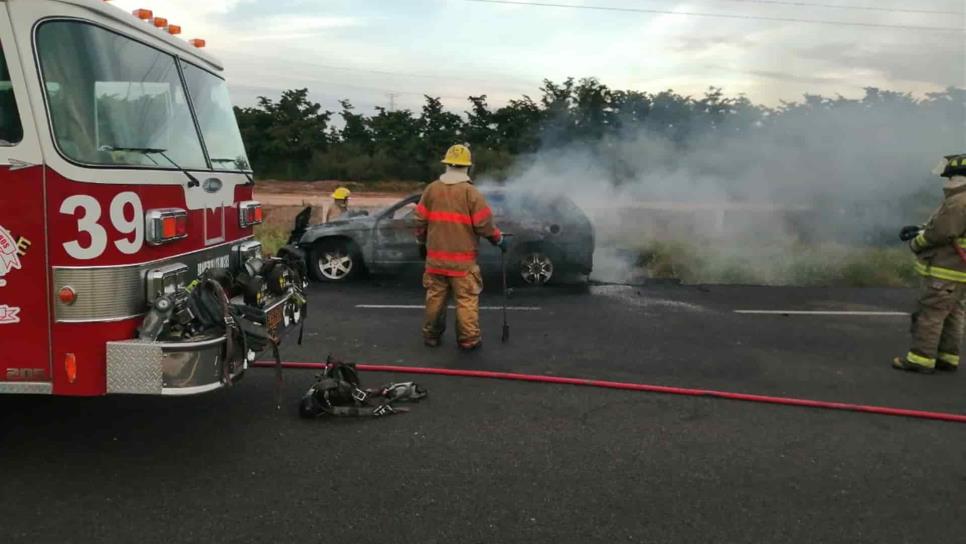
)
(552, 239)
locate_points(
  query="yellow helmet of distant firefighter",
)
(341, 194)
(458, 155)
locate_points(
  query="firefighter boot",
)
(921, 365)
(947, 362)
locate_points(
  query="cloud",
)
(297, 27)
(341, 46)
(941, 63)
(795, 78)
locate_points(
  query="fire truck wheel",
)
(334, 260)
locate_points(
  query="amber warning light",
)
(70, 367)
(143, 14)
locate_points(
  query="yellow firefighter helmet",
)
(341, 194)
(458, 155)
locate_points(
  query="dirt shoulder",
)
(318, 193)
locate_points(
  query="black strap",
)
(279, 380)
(385, 409)
(305, 314)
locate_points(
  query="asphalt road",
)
(488, 461)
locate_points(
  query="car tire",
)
(536, 266)
(334, 261)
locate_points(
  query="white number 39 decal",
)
(122, 205)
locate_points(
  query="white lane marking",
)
(420, 307)
(821, 312)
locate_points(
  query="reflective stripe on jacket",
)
(939, 248)
(449, 220)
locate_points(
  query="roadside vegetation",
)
(294, 138)
(803, 265)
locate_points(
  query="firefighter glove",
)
(502, 243)
(909, 232)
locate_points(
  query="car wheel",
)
(536, 268)
(334, 261)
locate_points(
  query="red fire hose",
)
(787, 401)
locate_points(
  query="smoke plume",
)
(815, 182)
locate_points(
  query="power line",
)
(847, 7)
(719, 15)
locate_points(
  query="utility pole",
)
(392, 101)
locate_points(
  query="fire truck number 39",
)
(127, 219)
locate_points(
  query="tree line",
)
(293, 137)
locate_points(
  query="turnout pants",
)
(937, 325)
(466, 292)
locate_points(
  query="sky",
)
(391, 52)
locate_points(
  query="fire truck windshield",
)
(209, 96)
(11, 130)
(110, 96)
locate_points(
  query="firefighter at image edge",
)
(450, 217)
(937, 324)
(339, 206)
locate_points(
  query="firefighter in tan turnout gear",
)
(937, 325)
(450, 218)
(339, 206)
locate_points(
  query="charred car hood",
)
(339, 225)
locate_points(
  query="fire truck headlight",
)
(244, 252)
(165, 280)
(165, 225)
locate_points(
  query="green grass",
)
(272, 237)
(815, 265)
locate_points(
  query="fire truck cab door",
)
(24, 293)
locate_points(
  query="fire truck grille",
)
(111, 293)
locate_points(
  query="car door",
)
(24, 294)
(394, 235)
(489, 255)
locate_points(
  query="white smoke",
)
(849, 176)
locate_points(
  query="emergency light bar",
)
(249, 213)
(166, 225)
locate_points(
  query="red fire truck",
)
(123, 178)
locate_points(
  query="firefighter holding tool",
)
(450, 218)
(937, 325)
